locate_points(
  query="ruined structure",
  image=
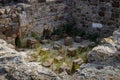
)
(26, 18)
(54, 13)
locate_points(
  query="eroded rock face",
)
(103, 63)
(116, 37)
(13, 66)
(97, 72)
(101, 53)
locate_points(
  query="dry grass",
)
(42, 56)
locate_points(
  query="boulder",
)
(116, 37)
(65, 67)
(108, 40)
(65, 76)
(103, 62)
(13, 66)
(97, 72)
(101, 53)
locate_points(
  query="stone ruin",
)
(89, 15)
(89, 12)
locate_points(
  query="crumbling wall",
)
(49, 14)
(34, 15)
(88, 12)
(14, 17)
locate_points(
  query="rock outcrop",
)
(103, 62)
(14, 66)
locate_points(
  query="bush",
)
(80, 32)
(18, 42)
(83, 53)
(68, 28)
(34, 35)
(57, 32)
(93, 36)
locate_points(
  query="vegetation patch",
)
(58, 60)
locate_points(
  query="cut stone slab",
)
(71, 51)
(68, 41)
(78, 61)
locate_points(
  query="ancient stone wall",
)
(88, 12)
(54, 13)
(37, 14)
(49, 14)
(14, 17)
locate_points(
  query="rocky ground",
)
(64, 53)
(103, 63)
(13, 66)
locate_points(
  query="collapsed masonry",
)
(35, 15)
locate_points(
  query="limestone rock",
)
(116, 36)
(92, 44)
(58, 58)
(68, 41)
(57, 46)
(13, 66)
(45, 49)
(55, 37)
(103, 63)
(117, 47)
(81, 47)
(65, 67)
(31, 42)
(96, 72)
(2, 11)
(78, 61)
(71, 51)
(77, 39)
(108, 40)
(64, 75)
(45, 41)
(101, 53)
(48, 63)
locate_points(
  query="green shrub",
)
(34, 35)
(93, 36)
(68, 28)
(18, 42)
(57, 31)
(80, 32)
(83, 53)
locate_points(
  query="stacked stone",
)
(9, 19)
(48, 14)
(13, 17)
(105, 12)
